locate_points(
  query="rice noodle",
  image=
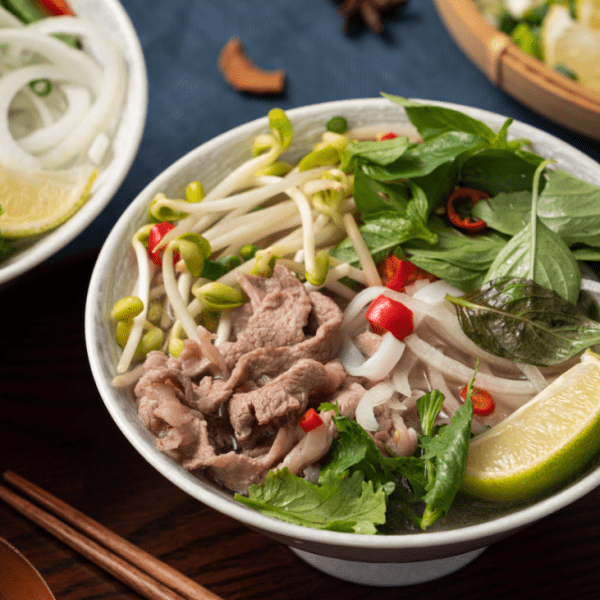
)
(534, 375)
(376, 367)
(457, 371)
(377, 395)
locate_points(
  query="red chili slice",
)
(157, 233)
(387, 136)
(483, 403)
(310, 420)
(396, 273)
(57, 7)
(459, 206)
(385, 314)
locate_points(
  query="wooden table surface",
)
(56, 432)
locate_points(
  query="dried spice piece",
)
(243, 75)
(371, 12)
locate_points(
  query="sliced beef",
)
(285, 397)
(280, 313)
(238, 424)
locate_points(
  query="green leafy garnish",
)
(339, 503)
(518, 319)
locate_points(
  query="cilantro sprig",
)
(357, 482)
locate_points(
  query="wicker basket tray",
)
(522, 76)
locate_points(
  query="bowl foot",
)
(387, 574)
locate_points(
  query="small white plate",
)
(111, 16)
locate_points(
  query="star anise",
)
(371, 12)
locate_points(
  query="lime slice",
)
(588, 13)
(572, 46)
(33, 202)
(542, 443)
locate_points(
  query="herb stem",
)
(534, 201)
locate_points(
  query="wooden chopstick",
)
(126, 562)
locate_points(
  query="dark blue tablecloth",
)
(189, 101)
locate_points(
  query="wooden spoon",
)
(19, 579)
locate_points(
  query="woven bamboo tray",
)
(522, 76)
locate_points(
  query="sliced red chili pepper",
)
(157, 233)
(401, 276)
(459, 208)
(385, 314)
(396, 273)
(387, 136)
(57, 7)
(310, 420)
(483, 403)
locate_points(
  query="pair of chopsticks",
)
(141, 571)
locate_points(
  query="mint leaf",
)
(339, 504)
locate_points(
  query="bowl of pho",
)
(74, 92)
(327, 324)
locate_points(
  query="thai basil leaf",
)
(464, 279)
(439, 184)
(422, 159)
(372, 196)
(494, 171)
(380, 153)
(586, 253)
(431, 120)
(518, 319)
(506, 213)
(554, 265)
(459, 259)
(566, 205)
(571, 207)
(383, 232)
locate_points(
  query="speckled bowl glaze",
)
(368, 559)
(111, 16)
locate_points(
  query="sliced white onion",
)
(435, 292)
(42, 139)
(378, 366)
(457, 371)
(99, 149)
(57, 144)
(401, 373)
(11, 153)
(377, 395)
(109, 98)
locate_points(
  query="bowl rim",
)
(53, 241)
(497, 527)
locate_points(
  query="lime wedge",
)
(588, 13)
(571, 45)
(542, 443)
(33, 202)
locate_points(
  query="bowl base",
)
(387, 574)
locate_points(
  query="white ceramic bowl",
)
(111, 16)
(382, 560)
